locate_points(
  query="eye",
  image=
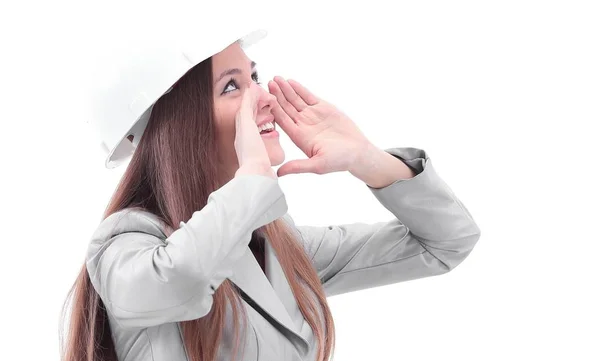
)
(234, 84)
(256, 78)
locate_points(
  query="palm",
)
(327, 136)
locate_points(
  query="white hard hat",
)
(133, 78)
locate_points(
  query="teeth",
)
(266, 126)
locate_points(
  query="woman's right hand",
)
(250, 149)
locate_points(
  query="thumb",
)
(311, 165)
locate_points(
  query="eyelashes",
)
(256, 78)
(232, 82)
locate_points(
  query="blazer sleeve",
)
(145, 279)
(432, 233)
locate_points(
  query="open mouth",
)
(267, 128)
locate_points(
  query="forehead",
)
(231, 57)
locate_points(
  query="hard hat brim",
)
(124, 148)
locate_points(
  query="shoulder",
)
(289, 221)
(298, 233)
(127, 221)
(130, 220)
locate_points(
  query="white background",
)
(504, 97)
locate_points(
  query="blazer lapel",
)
(283, 289)
(281, 286)
(249, 277)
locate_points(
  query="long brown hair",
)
(171, 174)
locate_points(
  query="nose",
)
(265, 99)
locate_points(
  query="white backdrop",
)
(504, 96)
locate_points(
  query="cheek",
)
(225, 111)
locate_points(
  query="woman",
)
(196, 257)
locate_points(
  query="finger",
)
(311, 165)
(283, 120)
(245, 119)
(248, 107)
(287, 107)
(308, 97)
(250, 101)
(290, 94)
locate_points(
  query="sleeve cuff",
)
(415, 158)
(392, 196)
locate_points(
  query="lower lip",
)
(271, 134)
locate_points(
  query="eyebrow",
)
(233, 71)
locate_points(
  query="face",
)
(227, 93)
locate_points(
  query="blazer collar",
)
(271, 291)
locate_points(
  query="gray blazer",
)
(149, 282)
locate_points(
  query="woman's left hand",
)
(330, 140)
